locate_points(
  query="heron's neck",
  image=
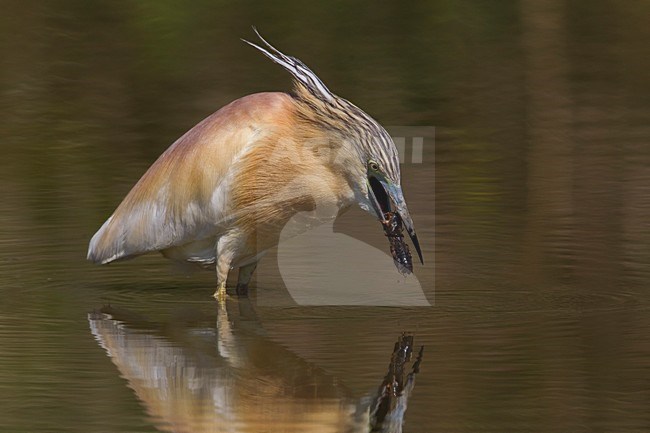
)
(330, 115)
(328, 128)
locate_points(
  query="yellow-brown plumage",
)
(222, 193)
(244, 168)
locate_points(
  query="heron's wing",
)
(184, 196)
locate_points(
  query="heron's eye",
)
(373, 166)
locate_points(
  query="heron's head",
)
(369, 155)
(380, 182)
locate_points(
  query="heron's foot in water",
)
(220, 295)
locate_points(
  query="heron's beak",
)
(382, 190)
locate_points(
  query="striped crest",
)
(374, 142)
(296, 68)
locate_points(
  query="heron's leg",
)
(245, 275)
(223, 267)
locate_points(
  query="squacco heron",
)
(222, 193)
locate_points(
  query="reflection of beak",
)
(380, 190)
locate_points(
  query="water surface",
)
(531, 206)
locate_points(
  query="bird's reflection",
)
(193, 376)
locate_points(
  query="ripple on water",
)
(546, 300)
